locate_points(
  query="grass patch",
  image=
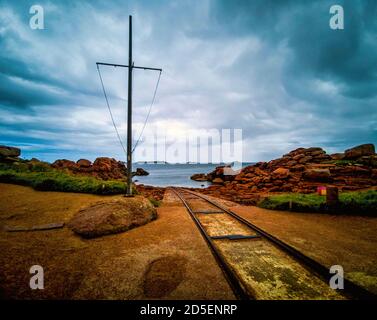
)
(355, 203)
(44, 178)
(156, 203)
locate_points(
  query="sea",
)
(175, 175)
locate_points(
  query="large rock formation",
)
(9, 154)
(64, 164)
(108, 217)
(103, 167)
(301, 170)
(199, 177)
(83, 163)
(140, 172)
(224, 173)
(359, 151)
(151, 192)
(317, 174)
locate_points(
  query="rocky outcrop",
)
(337, 156)
(359, 151)
(199, 177)
(109, 217)
(281, 173)
(103, 168)
(224, 173)
(370, 161)
(84, 163)
(64, 164)
(6, 151)
(317, 174)
(9, 154)
(218, 181)
(151, 192)
(301, 170)
(140, 172)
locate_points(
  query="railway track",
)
(256, 264)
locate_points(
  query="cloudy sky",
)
(274, 69)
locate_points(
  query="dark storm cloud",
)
(346, 57)
(273, 68)
(329, 76)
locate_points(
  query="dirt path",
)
(165, 259)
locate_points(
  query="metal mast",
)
(129, 112)
(130, 67)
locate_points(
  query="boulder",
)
(140, 172)
(281, 173)
(291, 163)
(114, 216)
(9, 152)
(351, 171)
(317, 153)
(109, 168)
(63, 164)
(370, 161)
(150, 192)
(225, 173)
(337, 156)
(105, 163)
(102, 168)
(228, 171)
(199, 177)
(305, 159)
(317, 174)
(298, 156)
(84, 163)
(297, 168)
(261, 172)
(314, 149)
(359, 151)
(218, 181)
(254, 189)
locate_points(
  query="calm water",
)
(177, 175)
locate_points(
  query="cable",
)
(111, 114)
(149, 112)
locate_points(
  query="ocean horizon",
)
(176, 175)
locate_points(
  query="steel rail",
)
(350, 288)
(230, 276)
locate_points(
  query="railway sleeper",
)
(209, 211)
(235, 237)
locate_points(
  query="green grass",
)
(356, 203)
(42, 177)
(156, 203)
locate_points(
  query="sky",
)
(274, 69)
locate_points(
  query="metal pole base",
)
(128, 195)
